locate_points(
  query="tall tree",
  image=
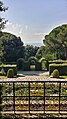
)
(12, 46)
(30, 51)
(2, 20)
(40, 52)
(56, 41)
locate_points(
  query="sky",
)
(33, 19)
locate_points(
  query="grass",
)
(63, 77)
(3, 77)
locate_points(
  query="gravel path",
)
(33, 76)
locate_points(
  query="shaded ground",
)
(34, 73)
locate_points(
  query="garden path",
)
(33, 76)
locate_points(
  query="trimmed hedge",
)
(26, 66)
(55, 73)
(62, 68)
(10, 73)
(7, 67)
(20, 64)
(2, 72)
(1, 108)
(57, 61)
(38, 66)
(33, 58)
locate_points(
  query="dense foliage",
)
(2, 20)
(30, 50)
(55, 73)
(62, 68)
(10, 73)
(4, 68)
(56, 42)
(12, 48)
(20, 64)
(0, 101)
(40, 52)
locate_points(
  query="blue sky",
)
(33, 19)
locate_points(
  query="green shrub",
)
(32, 58)
(38, 66)
(0, 101)
(47, 65)
(7, 67)
(10, 73)
(20, 64)
(26, 66)
(43, 63)
(57, 61)
(2, 72)
(55, 73)
(62, 68)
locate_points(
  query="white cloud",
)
(26, 27)
(15, 29)
(8, 23)
(21, 31)
(38, 34)
(13, 25)
(26, 33)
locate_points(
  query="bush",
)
(20, 64)
(0, 101)
(57, 61)
(26, 66)
(47, 65)
(7, 67)
(38, 66)
(2, 72)
(55, 73)
(10, 73)
(62, 68)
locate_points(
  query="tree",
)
(2, 25)
(2, 20)
(30, 51)
(56, 41)
(11, 47)
(40, 52)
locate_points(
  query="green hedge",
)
(20, 64)
(57, 61)
(7, 67)
(62, 68)
(38, 66)
(26, 66)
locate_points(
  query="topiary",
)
(20, 64)
(2, 72)
(10, 73)
(55, 73)
(1, 102)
